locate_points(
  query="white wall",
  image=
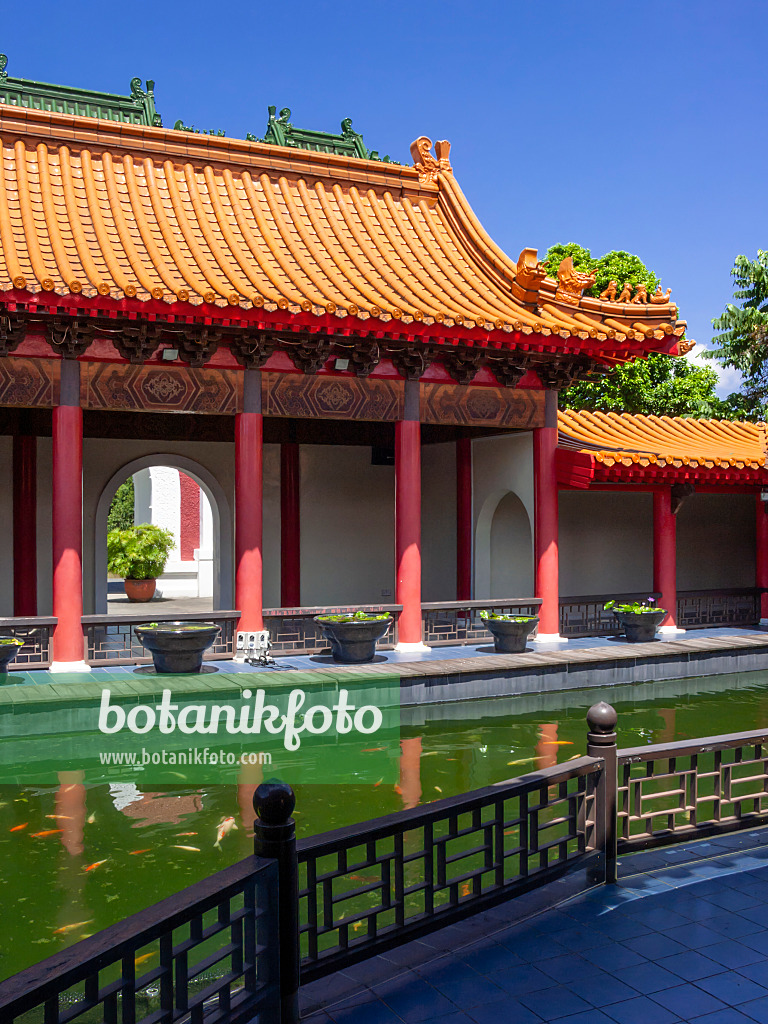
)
(606, 542)
(511, 549)
(500, 466)
(347, 526)
(438, 522)
(716, 541)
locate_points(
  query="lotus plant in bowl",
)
(639, 620)
(177, 647)
(510, 632)
(9, 648)
(353, 636)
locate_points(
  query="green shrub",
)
(138, 553)
(120, 515)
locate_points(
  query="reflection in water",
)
(547, 747)
(251, 776)
(71, 811)
(410, 772)
(667, 733)
(156, 808)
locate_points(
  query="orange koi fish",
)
(60, 817)
(143, 958)
(185, 833)
(133, 853)
(17, 828)
(465, 889)
(226, 826)
(67, 928)
(397, 790)
(372, 750)
(96, 864)
(376, 784)
(48, 832)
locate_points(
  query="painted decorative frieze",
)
(160, 389)
(455, 405)
(29, 383)
(335, 398)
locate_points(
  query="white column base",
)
(764, 622)
(69, 666)
(402, 648)
(668, 630)
(549, 638)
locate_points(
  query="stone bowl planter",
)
(640, 626)
(510, 637)
(177, 647)
(9, 648)
(353, 641)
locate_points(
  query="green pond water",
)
(114, 850)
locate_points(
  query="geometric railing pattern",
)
(370, 886)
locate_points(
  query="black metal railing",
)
(730, 607)
(36, 633)
(675, 791)
(236, 946)
(369, 887)
(586, 615)
(110, 639)
(294, 630)
(458, 622)
(206, 954)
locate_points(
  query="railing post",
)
(274, 836)
(601, 742)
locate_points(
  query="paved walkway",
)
(682, 938)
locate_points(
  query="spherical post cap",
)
(602, 718)
(274, 802)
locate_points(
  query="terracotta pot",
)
(140, 590)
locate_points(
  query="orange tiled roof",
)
(96, 208)
(624, 440)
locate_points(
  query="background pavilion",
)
(320, 338)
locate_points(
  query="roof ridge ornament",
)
(530, 273)
(3, 65)
(426, 164)
(571, 283)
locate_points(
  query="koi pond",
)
(78, 858)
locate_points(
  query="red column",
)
(546, 564)
(464, 519)
(761, 553)
(67, 499)
(408, 518)
(290, 527)
(665, 554)
(24, 525)
(248, 504)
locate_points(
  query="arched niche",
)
(503, 548)
(223, 593)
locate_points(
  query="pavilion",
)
(315, 335)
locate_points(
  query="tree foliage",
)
(120, 516)
(743, 339)
(618, 266)
(660, 385)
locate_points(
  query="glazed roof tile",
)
(103, 209)
(624, 440)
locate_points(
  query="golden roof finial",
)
(427, 166)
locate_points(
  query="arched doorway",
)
(220, 527)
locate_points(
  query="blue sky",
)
(615, 125)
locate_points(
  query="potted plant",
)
(139, 554)
(9, 648)
(177, 646)
(353, 636)
(510, 632)
(639, 619)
